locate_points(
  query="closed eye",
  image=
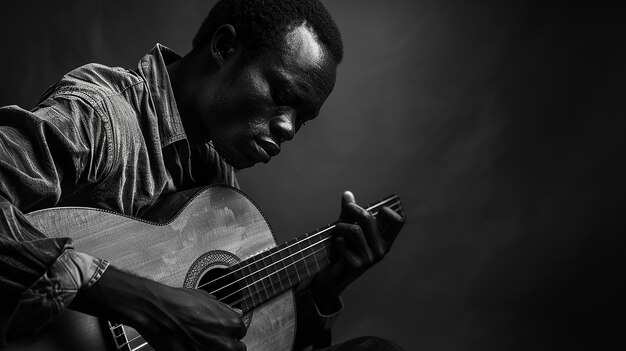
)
(281, 97)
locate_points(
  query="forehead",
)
(303, 59)
(304, 45)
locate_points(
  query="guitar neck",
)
(274, 271)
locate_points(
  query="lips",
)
(266, 149)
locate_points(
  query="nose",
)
(284, 126)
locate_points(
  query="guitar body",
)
(212, 227)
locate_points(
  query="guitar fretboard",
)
(268, 274)
(280, 268)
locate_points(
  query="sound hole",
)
(224, 286)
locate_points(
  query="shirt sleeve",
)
(314, 328)
(43, 155)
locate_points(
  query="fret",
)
(239, 275)
(306, 253)
(317, 251)
(294, 250)
(248, 282)
(289, 270)
(119, 336)
(259, 281)
(292, 272)
(273, 279)
(280, 268)
(284, 270)
(257, 284)
(324, 251)
(314, 240)
(269, 275)
(301, 258)
(125, 345)
(281, 271)
(135, 341)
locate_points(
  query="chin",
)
(234, 157)
(237, 164)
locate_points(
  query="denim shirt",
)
(107, 138)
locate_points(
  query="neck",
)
(184, 76)
(264, 276)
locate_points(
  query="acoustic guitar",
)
(215, 239)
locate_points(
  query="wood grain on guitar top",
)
(216, 218)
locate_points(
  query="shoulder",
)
(95, 83)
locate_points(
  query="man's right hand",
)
(168, 318)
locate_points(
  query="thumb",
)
(238, 311)
(347, 197)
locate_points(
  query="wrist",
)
(318, 316)
(117, 296)
(325, 297)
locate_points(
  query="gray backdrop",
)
(500, 125)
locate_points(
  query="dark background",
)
(501, 125)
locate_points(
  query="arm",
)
(39, 276)
(45, 160)
(176, 319)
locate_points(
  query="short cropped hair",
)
(263, 24)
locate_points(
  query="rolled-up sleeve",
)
(314, 329)
(43, 155)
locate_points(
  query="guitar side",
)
(216, 218)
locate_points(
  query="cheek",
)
(246, 114)
(236, 122)
(240, 110)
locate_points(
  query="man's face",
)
(260, 104)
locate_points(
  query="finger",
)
(352, 212)
(234, 324)
(240, 330)
(242, 347)
(236, 310)
(369, 225)
(392, 223)
(236, 345)
(351, 259)
(346, 198)
(356, 242)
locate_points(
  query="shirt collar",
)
(152, 68)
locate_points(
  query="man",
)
(119, 139)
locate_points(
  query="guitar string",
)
(380, 204)
(250, 295)
(280, 281)
(324, 247)
(283, 268)
(140, 346)
(234, 303)
(332, 226)
(270, 265)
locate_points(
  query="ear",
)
(223, 43)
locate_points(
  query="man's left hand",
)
(362, 240)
